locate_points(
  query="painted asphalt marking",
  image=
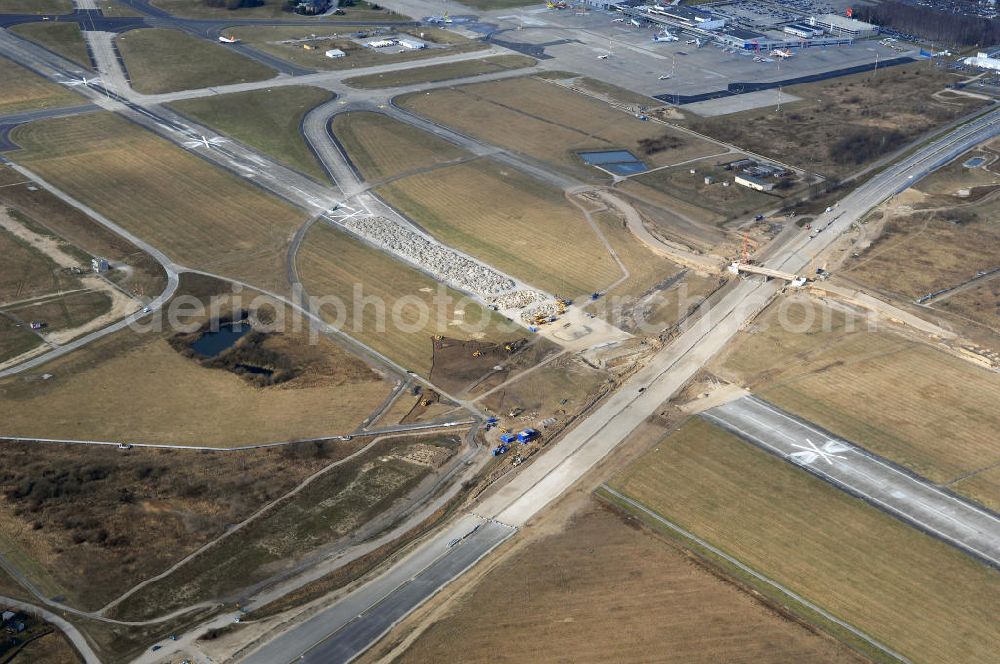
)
(830, 451)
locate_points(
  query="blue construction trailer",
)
(527, 436)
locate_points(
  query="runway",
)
(346, 629)
(907, 496)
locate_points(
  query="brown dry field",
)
(926, 240)
(558, 390)
(348, 498)
(657, 293)
(509, 220)
(980, 303)
(332, 263)
(924, 409)
(918, 248)
(199, 215)
(898, 98)
(381, 147)
(607, 590)
(24, 90)
(51, 649)
(15, 339)
(89, 523)
(28, 272)
(173, 399)
(66, 312)
(914, 593)
(553, 123)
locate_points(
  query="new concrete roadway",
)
(885, 485)
(554, 472)
(343, 631)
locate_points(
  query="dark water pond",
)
(212, 343)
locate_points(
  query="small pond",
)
(975, 162)
(619, 162)
(212, 343)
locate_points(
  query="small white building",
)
(100, 265)
(754, 183)
(335, 53)
(381, 43)
(412, 44)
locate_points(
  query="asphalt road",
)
(907, 496)
(345, 630)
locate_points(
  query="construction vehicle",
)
(425, 402)
(556, 4)
(477, 353)
(438, 337)
(748, 246)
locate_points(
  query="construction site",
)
(409, 326)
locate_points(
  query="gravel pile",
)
(517, 299)
(445, 264)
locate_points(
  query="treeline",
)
(864, 144)
(931, 24)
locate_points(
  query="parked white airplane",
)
(228, 39)
(665, 37)
(781, 53)
(618, 20)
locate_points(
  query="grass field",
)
(117, 8)
(268, 120)
(917, 406)
(92, 522)
(332, 263)
(30, 272)
(509, 220)
(36, 6)
(553, 123)
(339, 502)
(177, 400)
(382, 148)
(199, 215)
(445, 72)
(15, 339)
(26, 91)
(918, 595)
(882, 112)
(77, 234)
(66, 312)
(326, 36)
(604, 589)
(161, 60)
(361, 11)
(66, 39)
